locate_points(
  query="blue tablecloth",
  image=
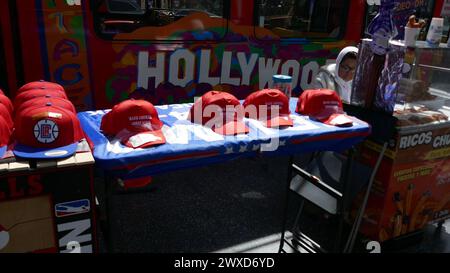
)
(190, 145)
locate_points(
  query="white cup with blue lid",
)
(283, 83)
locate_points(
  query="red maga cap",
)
(5, 134)
(228, 108)
(44, 101)
(47, 132)
(135, 123)
(7, 103)
(36, 93)
(268, 115)
(324, 105)
(41, 84)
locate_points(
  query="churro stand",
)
(412, 186)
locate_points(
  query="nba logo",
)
(46, 131)
(72, 208)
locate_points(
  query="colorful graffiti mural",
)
(239, 63)
(101, 58)
(66, 57)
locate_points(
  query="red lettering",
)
(35, 185)
(13, 192)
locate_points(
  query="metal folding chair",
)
(323, 182)
(331, 182)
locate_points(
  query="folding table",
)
(190, 145)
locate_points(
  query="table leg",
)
(286, 203)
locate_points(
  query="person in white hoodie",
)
(339, 76)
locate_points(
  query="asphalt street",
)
(203, 209)
(221, 206)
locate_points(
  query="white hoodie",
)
(328, 76)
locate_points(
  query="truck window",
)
(304, 18)
(126, 6)
(113, 17)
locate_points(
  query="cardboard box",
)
(48, 206)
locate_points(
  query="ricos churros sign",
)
(428, 145)
(412, 186)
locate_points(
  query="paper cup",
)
(411, 35)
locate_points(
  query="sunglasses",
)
(347, 68)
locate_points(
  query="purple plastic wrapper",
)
(382, 28)
(389, 80)
(385, 91)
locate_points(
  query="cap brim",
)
(3, 151)
(340, 120)
(44, 153)
(279, 121)
(144, 139)
(327, 112)
(232, 128)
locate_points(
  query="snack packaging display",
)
(380, 63)
(388, 83)
(377, 78)
(367, 74)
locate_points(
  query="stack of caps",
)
(6, 123)
(45, 121)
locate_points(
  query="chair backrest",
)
(330, 166)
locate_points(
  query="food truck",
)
(169, 51)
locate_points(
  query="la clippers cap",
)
(7, 103)
(41, 84)
(47, 132)
(264, 102)
(43, 101)
(5, 134)
(324, 105)
(228, 108)
(36, 93)
(135, 123)
(4, 113)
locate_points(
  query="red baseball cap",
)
(36, 93)
(4, 113)
(46, 133)
(324, 105)
(43, 101)
(5, 134)
(7, 102)
(135, 123)
(230, 121)
(269, 98)
(41, 84)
